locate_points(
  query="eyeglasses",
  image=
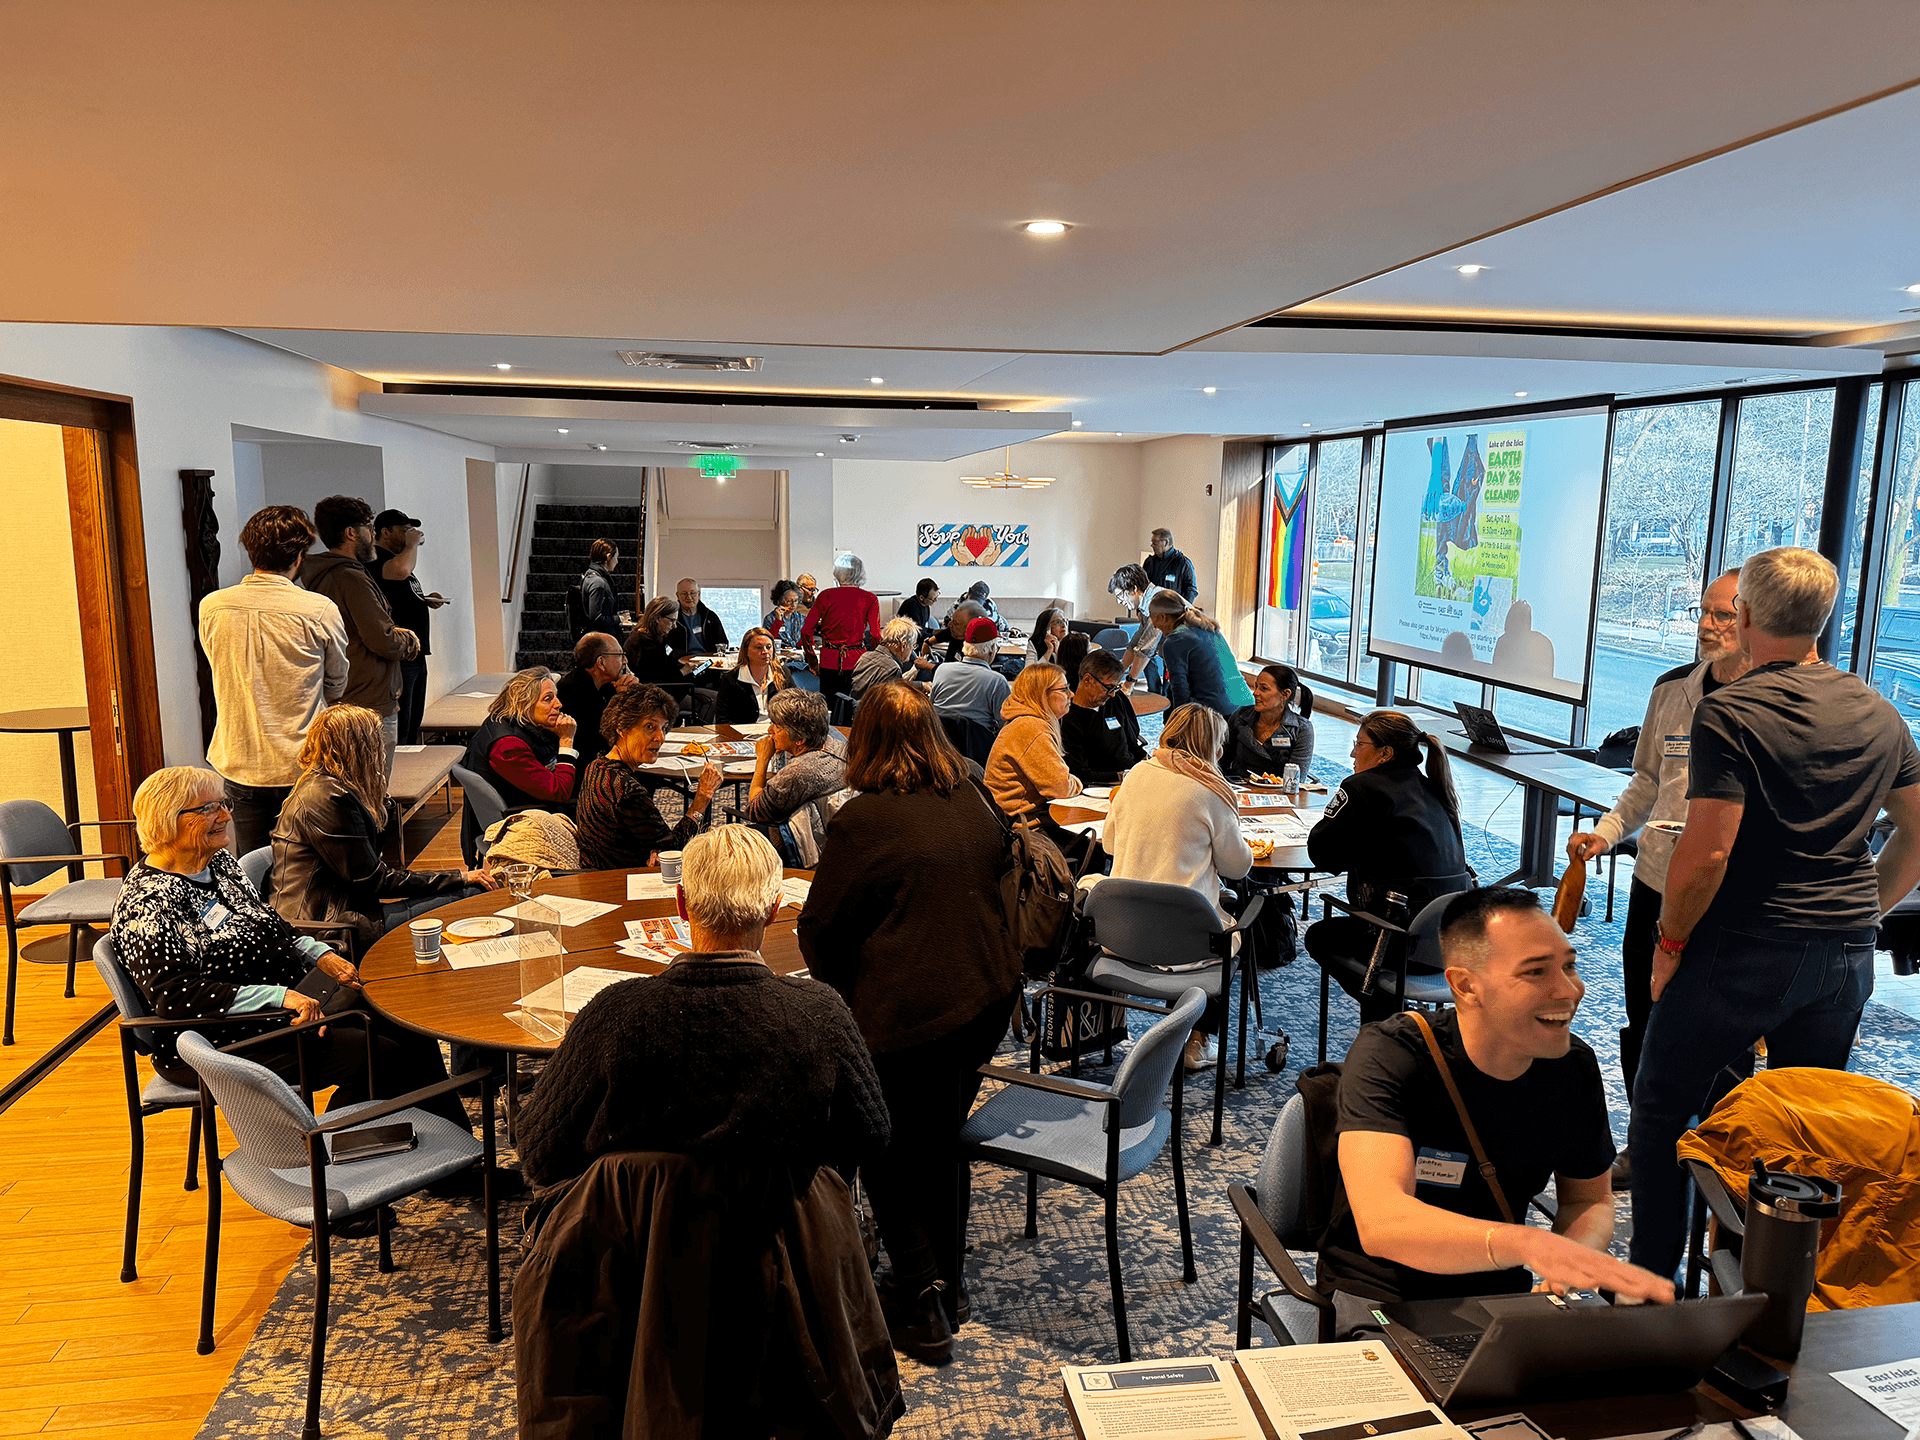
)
(1060, 690)
(1721, 617)
(207, 809)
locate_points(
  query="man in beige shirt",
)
(279, 656)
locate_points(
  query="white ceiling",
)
(1811, 230)
(847, 172)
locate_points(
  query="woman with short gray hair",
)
(843, 625)
(810, 783)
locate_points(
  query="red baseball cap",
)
(981, 630)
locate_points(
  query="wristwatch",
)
(1667, 945)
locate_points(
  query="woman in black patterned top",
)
(618, 826)
(199, 942)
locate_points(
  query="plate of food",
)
(480, 927)
(695, 747)
(1261, 846)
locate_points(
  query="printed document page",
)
(1191, 1399)
(1307, 1389)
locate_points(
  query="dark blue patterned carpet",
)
(407, 1357)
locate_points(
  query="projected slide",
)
(1488, 534)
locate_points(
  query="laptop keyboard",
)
(1444, 1356)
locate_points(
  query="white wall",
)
(1176, 475)
(189, 387)
(304, 474)
(1082, 526)
(595, 484)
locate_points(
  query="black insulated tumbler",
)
(1780, 1251)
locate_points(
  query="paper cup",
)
(670, 867)
(426, 941)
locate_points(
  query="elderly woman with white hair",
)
(843, 625)
(199, 943)
(804, 791)
(756, 1064)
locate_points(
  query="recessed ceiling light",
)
(502, 365)
(1046, 227)
(1306, 424)
(849, 439)
(819, 454)
(1469, 269)
(596, 447)
(1519, 394)
(1209, 389)
(1913, 289)
(1117, 435)
(1076, 424)
(562, 430)
(875, 380)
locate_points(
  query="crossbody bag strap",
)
(1487, 1172)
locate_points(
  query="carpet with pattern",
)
(407, 1354)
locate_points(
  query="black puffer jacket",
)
(327, 865)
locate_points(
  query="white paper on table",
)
(1894, 1388)
(756, 729)
(408, 749)
(1311, 1387)
(529, 946)
(1086, 800)
(647, 885)
(571, 992)
(688, 737)
(665, 764)
(795, 891)
(1254, 800)
(1190, 1399)
(569, 909)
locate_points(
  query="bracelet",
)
(1670, 946)
(1490, 1260)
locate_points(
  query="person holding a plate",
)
(619, 826)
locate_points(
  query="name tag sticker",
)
(1439, 1167)
(216, 916)
(1113, 722)
(1676, 746)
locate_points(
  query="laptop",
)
(1485, 732)
(1501, 1348)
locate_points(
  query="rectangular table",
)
(459, 711)
(1547, 779)
(418, 775)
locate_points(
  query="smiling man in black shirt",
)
(1413, 1216)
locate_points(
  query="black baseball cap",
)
(388, 518)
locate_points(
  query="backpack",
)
(577, 607)
(1036, 892)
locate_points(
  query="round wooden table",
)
(63, 721)
(470, 1006)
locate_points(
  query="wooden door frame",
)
(110, 571)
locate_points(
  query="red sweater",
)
(516, 763)
(843, 623)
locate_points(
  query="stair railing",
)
(519, 521)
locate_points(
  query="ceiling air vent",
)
(721, 445)
(660, 360)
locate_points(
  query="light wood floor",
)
(82, 1355)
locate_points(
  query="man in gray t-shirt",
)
(1767, 920)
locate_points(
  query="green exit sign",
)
(717, 467)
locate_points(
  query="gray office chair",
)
(137, 1024)
(1113, 638)
(1268, 1209)
(1389, 965)
(481, 808)
(1142, 928)
(1096, 1136)
(278, 1136)
(35, 842)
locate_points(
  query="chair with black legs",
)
(278, 1135)
(35, 842)
(137, 1026)
(1402, 962)
(1096, 1136)
(1156, 940)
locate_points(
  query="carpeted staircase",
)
(562, 536)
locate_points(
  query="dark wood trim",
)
(44, 404)
(202, 526)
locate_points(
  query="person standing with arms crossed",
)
(1767, 921)
(1658, 792)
